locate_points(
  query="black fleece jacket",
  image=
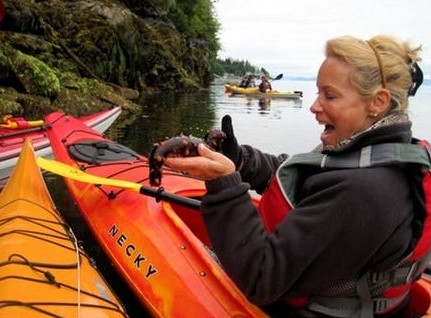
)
(345, 223)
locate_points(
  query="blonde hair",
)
(380, 61)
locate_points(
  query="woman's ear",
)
(380, 103)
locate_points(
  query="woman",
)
(347, 225)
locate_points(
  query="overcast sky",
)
(288, 36)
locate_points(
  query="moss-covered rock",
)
(81, 56)
(36, 77)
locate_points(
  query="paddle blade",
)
(279, 76)
(70, 172)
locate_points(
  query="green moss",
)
(86, 60)
(36, 76)
(87, 85)
(10, 107)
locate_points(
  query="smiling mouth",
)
(328, 128)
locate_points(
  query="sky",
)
(288, 36)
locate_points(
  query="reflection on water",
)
(169, 114)
(273, 125)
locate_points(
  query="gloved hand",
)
(230, 147)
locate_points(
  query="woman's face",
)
(338, 106)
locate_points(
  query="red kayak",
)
(155, 237)
(14, 130)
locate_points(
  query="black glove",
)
(230, 147)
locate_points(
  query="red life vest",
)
(279, 199)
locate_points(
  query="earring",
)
(374, 115)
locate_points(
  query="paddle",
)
(279, 76)
(22, 131)
(76, 174)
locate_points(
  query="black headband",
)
(417, 79)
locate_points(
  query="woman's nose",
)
(315, 107)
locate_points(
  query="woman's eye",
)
(328, 95)
(325, 96)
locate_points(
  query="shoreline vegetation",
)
(83, 56)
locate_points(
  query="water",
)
(280, 126)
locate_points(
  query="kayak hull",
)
(165, 263)
(12, 140)
(43, 271)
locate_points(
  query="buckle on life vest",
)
(402, 275)
(350, 307)
(384, 305)
(380, 305)
(412, 274)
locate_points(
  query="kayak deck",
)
(12, 140)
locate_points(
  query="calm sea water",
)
(279, 125)
(275, 126)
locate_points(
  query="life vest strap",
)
(383, 305)
(365, 305)
(398, 276)
(344, 307)
(405, 273)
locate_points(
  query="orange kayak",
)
(161, 249)
(43, 272)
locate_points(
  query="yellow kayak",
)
(254, 92)
(43, 272)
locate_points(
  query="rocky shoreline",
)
(84, 56)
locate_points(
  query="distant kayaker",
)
(247, 81)
(342, 231)
(265, 85)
